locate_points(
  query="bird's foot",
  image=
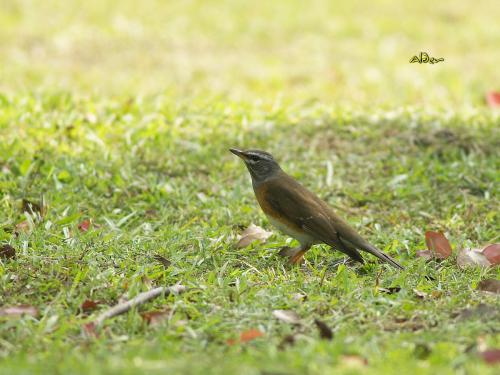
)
(295, 255)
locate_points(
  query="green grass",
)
(125, 115)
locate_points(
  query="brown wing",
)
(304, 210)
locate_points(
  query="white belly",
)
(301, 237)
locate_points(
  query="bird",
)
(301, 214)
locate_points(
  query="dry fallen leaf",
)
(19, 311)
(84, 226)
(492, 253)
(493, 99)
(324, 331)
(7, 252)
(251, 234)
(288, 316)
(22, 227)
(89, 305)
(155, 318)
(489, 285)
(250, 335)
(438, 244)
(472, 257)
(246, 336)
(491, 356)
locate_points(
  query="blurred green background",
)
(122, 113)
(347, 52)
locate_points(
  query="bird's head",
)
(260, 164)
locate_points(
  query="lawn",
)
(116, 121)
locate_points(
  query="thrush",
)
(301, 214)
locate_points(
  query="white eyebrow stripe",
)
(260, 155)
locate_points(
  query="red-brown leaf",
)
(89, 305)
(7, 252)
(438, 244)
(491, 356)
(493, 99)
(250, 335)
(492, 253)
(84, 226)
(19, 311)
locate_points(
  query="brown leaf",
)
(19, 311)
(324, 331)
(489, 285)
(250, 335)
(7, 252)
(288, 316)
(436, 293)
(251, 234)
(84, 226)
(154, 318)
(22, 227)
(166, 263)
(492, 253)
(438, 244)
(89, 305)
(493, 99)
(491, 356)
(472, 257)
(246, 336)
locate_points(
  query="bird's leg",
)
(296, 254)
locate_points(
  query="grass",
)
(115, 115)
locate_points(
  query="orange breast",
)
(261, 195)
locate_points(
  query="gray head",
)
(260, 164)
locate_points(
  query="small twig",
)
(140, 299)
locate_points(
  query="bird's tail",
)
(383, 256)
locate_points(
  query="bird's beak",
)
(238, 153)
